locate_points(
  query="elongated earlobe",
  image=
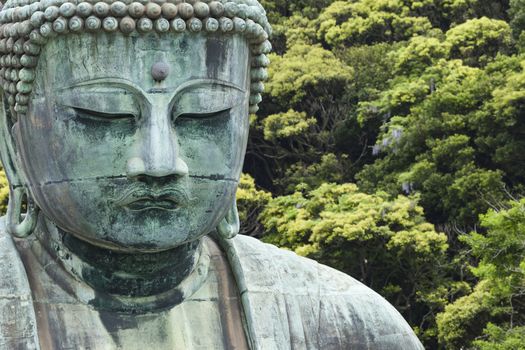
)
(18, 224)
(230, 225)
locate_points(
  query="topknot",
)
(27, 25)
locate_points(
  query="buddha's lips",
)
(140, 198)
(153, 203)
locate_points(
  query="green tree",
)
(492, 316)
(403, 97)
(4, 192)
(250, 202)
(304, 71)
(304, 111)
(479, 40)
(517, 20)
(453, 141)
(385, 243)
(345, 23)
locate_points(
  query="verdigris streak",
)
(123, 130)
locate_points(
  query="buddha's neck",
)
(127, 282)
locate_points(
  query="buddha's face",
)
(125, 161)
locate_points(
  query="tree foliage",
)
(492, 316)
(304, 69)
(385, 243)
(370, 21)
(4, 192)
(251, 201)
(479, 40)
(397, 102)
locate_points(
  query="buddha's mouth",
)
(148, 203)
(140, 198)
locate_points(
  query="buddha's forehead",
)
(70, 60)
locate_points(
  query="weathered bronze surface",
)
(123, 130)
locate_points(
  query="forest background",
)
(390, 145)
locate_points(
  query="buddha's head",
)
(125, 123)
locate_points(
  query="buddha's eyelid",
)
(102, 111)
(200, 83)
(73, 99)
(196, 83)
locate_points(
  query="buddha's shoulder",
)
(17, 318)
(341, 311)
(11, 268)
(263, 260)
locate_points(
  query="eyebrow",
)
(118, 82)
(129, 85)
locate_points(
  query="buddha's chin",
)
(133, 246)
(143, 234)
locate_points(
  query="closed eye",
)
(203, 115)
(102, 116)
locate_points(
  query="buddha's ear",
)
(17, 223)
(229, 226)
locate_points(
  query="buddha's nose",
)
(158, 149)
